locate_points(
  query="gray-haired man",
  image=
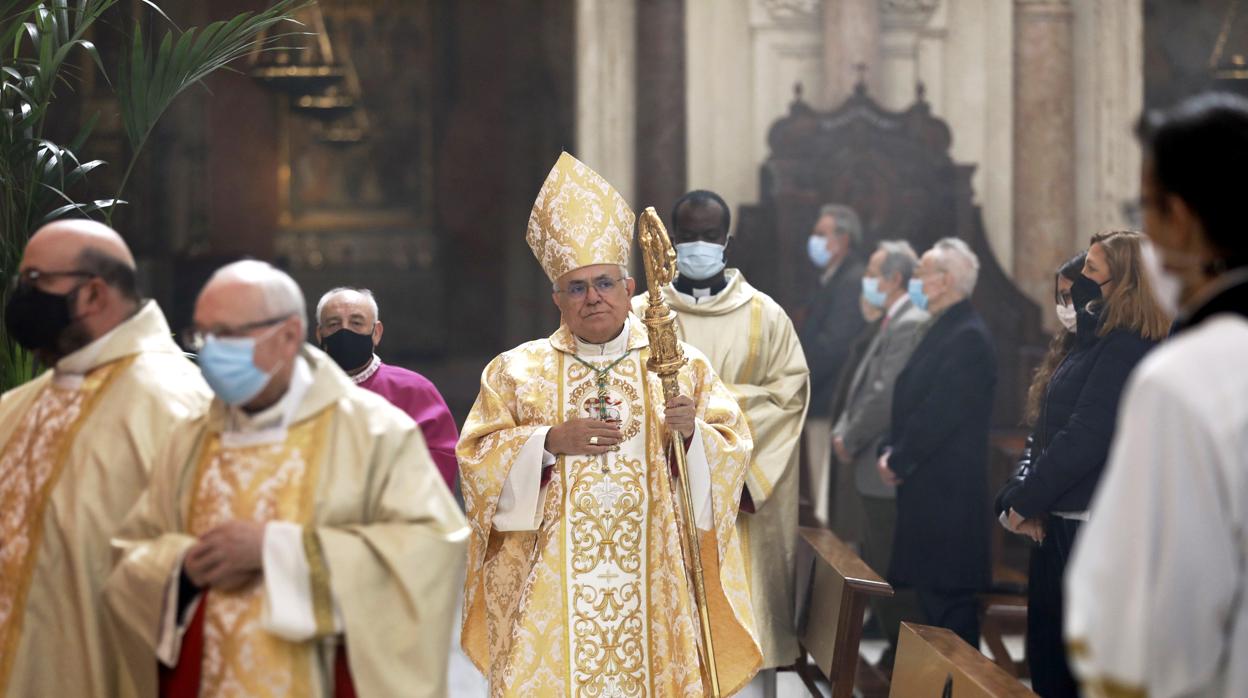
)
(864, 422)
(833, 320)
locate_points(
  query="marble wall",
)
(1039, 94)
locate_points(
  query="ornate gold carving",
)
(666, 360)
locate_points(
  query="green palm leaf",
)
(151, 79)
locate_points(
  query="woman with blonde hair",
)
(1117, 320)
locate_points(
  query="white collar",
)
(619, 345)
(269, 425)
(896, 306)
(368, 371)
(699, 294)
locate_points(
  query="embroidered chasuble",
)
(750, 342)
(78, 444)
(258, 483)
(362, 550)
(584, 593)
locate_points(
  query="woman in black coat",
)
(1117, 322)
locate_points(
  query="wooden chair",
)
(830, 630)
(936, 662)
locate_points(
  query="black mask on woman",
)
(37, 319)
(1084, 291)
(350, 350)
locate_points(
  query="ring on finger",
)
(593, 441)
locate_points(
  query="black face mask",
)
(350, 350)
(1084, 291)
(36, 319)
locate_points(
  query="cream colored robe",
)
(594, 599)
(382, 536)
(752, 345)
(78, 444)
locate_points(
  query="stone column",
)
(901, 25)
(606, 86)
(1109, 96)
(660, 155)
(851, 37)
(1044, 145)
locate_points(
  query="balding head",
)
(251, 291)
(90, 266)
(259, 301)
(62, 241)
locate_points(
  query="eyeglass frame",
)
(604, 279)
(194, 338)
(30, 277)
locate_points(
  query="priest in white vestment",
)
(576, 582)
(78, 443)
(751, 344)
(1158, 587)
(297, 540)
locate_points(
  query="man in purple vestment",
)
(349, 330)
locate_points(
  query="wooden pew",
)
(830, 628)
(936, 662)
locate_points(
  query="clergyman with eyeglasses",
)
(576, 583)
(77, 445)
(300, 524)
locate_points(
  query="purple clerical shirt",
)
(415, 395)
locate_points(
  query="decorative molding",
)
(907, 14)
(786, 15)
(789, 10)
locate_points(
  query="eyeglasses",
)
(31, 277)
(194, 338)
(603, 285)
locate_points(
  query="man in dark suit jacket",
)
(864, 421)
(937, 453)
(833, 320)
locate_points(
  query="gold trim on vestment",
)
(318, 575)
(744, 377)
(15, 583)
(756, 340)
(260, 483)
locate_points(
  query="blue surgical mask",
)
(817, 249)
(229, 367)
(699, 260)
(917, 296)
(872, 293)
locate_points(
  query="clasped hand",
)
(591, 437)
(1032, 528)
(228, 557)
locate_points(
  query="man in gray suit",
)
(864, 422)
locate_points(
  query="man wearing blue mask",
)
(301, 524)
(864, 422)
(936, 453)
(752, 345)
(833, 320)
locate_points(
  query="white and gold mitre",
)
(578, 220)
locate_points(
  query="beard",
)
(71, 340)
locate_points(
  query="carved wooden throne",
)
(895, 170)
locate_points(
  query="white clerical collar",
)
(896, 306)
(619, 345)
(70, 371)
(368, 371)
(699, 294)
(268, 426)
